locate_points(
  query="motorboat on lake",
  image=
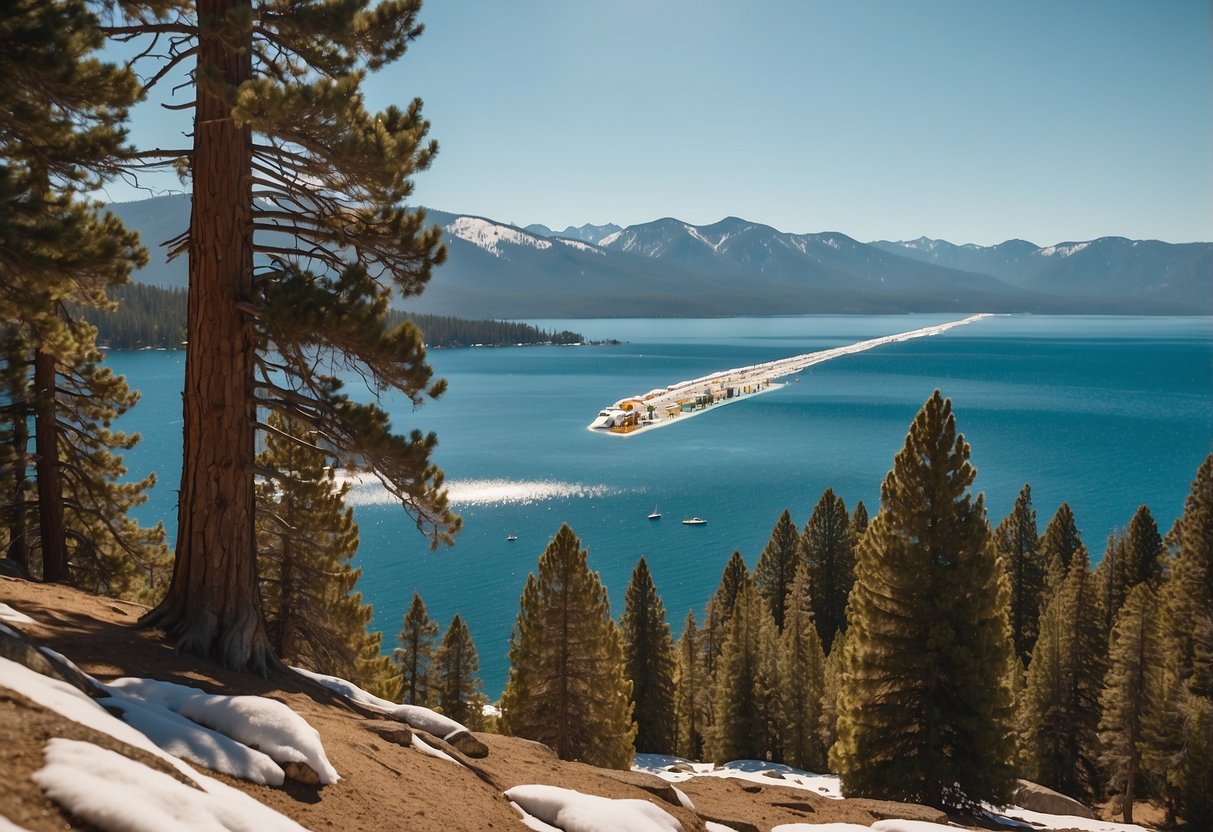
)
(511, 538)
(694, 521)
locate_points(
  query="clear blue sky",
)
(968, 121)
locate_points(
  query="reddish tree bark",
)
(50, 482)
(213, 606)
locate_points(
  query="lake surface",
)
(1106, 413)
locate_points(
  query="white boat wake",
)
(662, 407)
(367, 490)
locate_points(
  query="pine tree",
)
(648, 655)
(1129, 687)
(306, 538)
(1015, 544)
(415, 654)
(925, 711)
(456, 687)
(720, 608)
(777, 566)
(859, 521)
(61, 137)
(802, 678)
(828, 548)
(1059, 714)
(1131, 557)
(693, 692)
(1179, 744)
(1058, 544)
(299, 235)
(567, 686)
(833, 685)
(740, 721)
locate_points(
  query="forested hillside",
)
(150, 317)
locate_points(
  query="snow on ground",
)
(117, 794)
(7, 613)
(267, 724)
(423, 719)
(7, 825)
(487, 235)
(1042, 821)
(825, 785)
(573, 811)
(425, 748)
(186, 739)
(713, 826)
(825, 827)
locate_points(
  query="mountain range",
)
(670, 268)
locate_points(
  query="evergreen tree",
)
(1059, 715)
(306, 538)
(925, 711)
(415, 654)
(456, 687)
(1129, 687)
(833, 683)
(1179, 743)
(777, 566)
(1131, 558)
(61, 136)
(740, 723)
(567, 686)
(802, 679)
(1058, 544)
(1015, 544)
(828, 548)
(299, 235)
(648, 655)
(859, 521)
(693, 692)
(720, 608)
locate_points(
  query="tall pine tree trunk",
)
(50, 481)
(213, 606)
(18, 546)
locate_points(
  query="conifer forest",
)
(920, 649)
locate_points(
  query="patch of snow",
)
(256, 721)
(7, 613)
(425, 748)
(416, 716)
(683, 800)
(1063, 251)
(7, 825)
(489, 235)
(72, 704)
(1040, 820)
(580, 246)
(186, 739)
(532, 822)
(610, 238)
(713, 826)
(117, 794)
(573, 811)
(825, 785)
(896, 825)
(824, 827)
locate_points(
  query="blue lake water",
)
(1106, 413)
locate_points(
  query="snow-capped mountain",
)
(738, 267)
(1149, 270)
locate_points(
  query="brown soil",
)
(383, 786)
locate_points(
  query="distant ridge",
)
(670, 268)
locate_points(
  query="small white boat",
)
(511, 538)
(694, 521)
(655, 514)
